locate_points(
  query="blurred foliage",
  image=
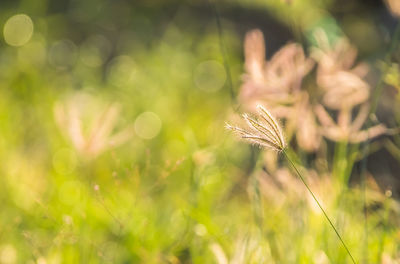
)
(113, 148)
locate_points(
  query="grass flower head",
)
(264, 131)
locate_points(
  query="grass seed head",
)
(264, 131)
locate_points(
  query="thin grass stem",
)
(223, 48)
(319, 205)
(366, 145)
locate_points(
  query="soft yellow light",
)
(64, 161)
(8, 254)
(18, 30)
(70, 193)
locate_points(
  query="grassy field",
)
(113, 144)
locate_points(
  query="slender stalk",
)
(319, 205)
(223, 48)
(378, 90)
(366, 145)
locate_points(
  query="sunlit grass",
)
(139, 168)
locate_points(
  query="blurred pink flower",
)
(346, 129)
(343, 90)
(274, 82)
(308, 135)
(394, 7)
(82, 109)
(340, 81)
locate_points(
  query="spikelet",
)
(264, 131)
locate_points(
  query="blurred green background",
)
(112, 139)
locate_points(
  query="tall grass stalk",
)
(223, 49)
(266, 132)
(365, 146)
(319, 205)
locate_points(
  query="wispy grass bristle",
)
(264, 131)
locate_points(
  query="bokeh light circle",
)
(63, 54)
(95, 50)
(147, 125)
(209, 76)
(8, 254)
(18, 30)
